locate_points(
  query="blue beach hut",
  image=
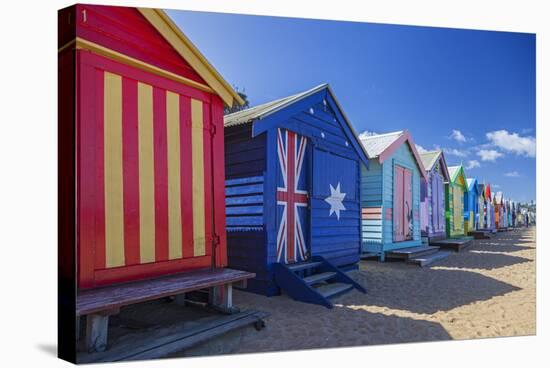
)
(292, 195)
(390, 196)
(471, 209)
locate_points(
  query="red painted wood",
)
(219, 181)
(91, 220)
(66, 194)
(161, 174)
(113, 297)
(208, 178)
(104, 63)
(147, 270)
(186, 177)
(125, 30)
(130, 159)
(88, 137)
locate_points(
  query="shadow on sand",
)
(440, 289)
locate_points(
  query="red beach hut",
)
(141, 148)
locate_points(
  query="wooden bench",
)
(98, 304)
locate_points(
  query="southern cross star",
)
(335, 200)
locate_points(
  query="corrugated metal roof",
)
(260, 111)
(376, 144)
(429, 158)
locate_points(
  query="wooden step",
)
(331, 290)
(426, 260)
(456, 244)
(319, 277)
(303, 266)
(411, 252)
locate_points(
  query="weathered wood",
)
(221, 298)
(97, 326)
(411, 252)
(179, 299)
(116, 296)
(173, 341)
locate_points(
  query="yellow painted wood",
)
(146, 174)
(114, 208)
(197, 152)
(82, 44)
(174, 183)
(170, 31)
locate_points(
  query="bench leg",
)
(221, 298)
(180, 299)
(96, 332)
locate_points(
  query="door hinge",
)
(216, 239)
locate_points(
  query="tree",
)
(237, 107)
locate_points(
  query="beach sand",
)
(487, 290)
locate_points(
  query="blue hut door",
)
(292, 197)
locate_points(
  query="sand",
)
(487, 290)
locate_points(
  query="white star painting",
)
(335, 201)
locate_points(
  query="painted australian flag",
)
(292, 197)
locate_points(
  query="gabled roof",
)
(472, 185)
(382, 146)
(455, 172)
(430, 158)
(260, 112)
(170, 31)
(268, 108)
(481, 190)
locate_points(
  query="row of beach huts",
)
(171, 197)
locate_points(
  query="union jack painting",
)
(291, 197)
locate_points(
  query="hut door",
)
(292, 197)
(407, 204)
(435, 202)
(402, 205)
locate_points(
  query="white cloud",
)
(366, 133)
(513, 142)
(489, 155)
(496, 186)
(458, 136)
(455, 152)
(472, 164)
(420, 149)
(512, 174)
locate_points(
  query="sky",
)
(468, 92)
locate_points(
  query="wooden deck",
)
(454, 244)
(162, 342)
(115, 296)
(411, 252)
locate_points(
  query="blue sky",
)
(471, 93)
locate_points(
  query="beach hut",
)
(454, 201)
(498, 203)
(141, 179)
(489, 209)
(390, 198)
(471, 208)
(481, 217)
(292, 185)
(432, 193)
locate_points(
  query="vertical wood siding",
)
(153, 206)
(379, 182)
